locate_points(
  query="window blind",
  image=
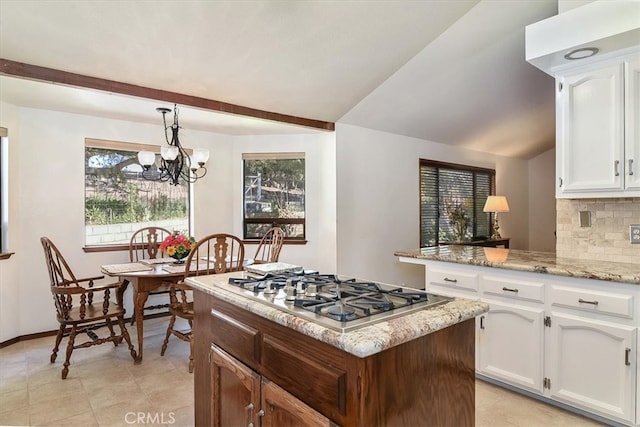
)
(445, 187)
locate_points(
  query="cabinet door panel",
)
(510, 345)
(509, 287)
(235, 337)
(322, 386)
(591, 122)
(591, 365)
(592, 301)
(236, 391)
(454, 279)
(283, 410)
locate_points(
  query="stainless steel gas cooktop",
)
(334, 302)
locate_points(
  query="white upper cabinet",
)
(593, 52)
(597, 119)
(590, 128)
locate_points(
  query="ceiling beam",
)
(34, 72)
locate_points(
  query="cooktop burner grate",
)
(341, 304)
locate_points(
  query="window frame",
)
(274, 222)
(491, 173)
(4, 194)
(133, 147)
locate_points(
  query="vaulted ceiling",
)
(447, 71)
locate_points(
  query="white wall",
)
(320, 186)
(566, 5)
(46, 193)
(50, 198)
(542, 202)
(378, 204)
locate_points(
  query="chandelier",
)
(175, 164)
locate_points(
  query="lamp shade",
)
(169, 153)
(200, 156)
(496, 204)
(146, 158)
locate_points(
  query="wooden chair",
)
(77, 310)
(214, 254)
(270, 246)
(144, 244)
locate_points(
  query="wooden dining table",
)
(143, 282)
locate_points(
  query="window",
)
(118, 201)
(451, 201)
(4, 186)
(274, 194)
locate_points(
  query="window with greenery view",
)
(451, 201)
(274, 194)
(118, 201)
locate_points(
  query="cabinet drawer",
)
(512, 288)
(453, 278)
(322, 387)
(610, 303)
(236, 338)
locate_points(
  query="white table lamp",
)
(496, 204)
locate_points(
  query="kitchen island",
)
(253, 361)
(562, 330)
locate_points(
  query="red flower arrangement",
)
(177, 245)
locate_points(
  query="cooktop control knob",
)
(301, 287)
(270, 288)
(312, 290)
(290, 293)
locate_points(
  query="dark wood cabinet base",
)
(427, 381)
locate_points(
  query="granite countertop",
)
(531, 261)
(361, 342)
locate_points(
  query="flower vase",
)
(460, 230)
(179, 260)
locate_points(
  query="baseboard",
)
(53, 333)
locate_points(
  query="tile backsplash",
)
(608, 236)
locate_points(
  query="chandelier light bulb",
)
(200, 156)
(169, 153)
(146, 158)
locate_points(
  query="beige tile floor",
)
(105, 388)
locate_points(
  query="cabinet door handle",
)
(630, 166)
(446, 279)
(615, 167)
(249, 410)
(559, 182)
(627, 352)
(515, 290)
(261, 413)
(583, 301)
(481, 322)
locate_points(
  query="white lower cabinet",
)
(591, 365)
(637, 382)
(510, 345)
(569, 340)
